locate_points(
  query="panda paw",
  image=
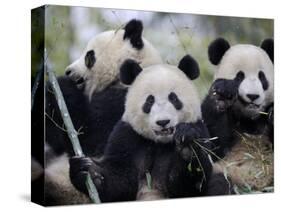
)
(79, 169)
(184, 137)
(224, 93)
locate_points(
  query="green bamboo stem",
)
(72, 133)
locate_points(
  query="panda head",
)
(252, 66)
(160, 97)
(98, 66)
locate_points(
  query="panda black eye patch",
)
(90, 59)
(148, 104)
(263, 80)
(173, 98)
(240, 76)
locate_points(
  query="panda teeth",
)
(165, 131)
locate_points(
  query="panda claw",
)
(97, 178)
(80, 164)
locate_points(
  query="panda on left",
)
(95, 99)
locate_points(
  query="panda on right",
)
(238, 112)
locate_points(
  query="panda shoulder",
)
(123, 139)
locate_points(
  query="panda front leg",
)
(190, 139)
(219, 184)
(114, 182)
(222, 94)
(79, 169)
(215, 108)
(192, 143)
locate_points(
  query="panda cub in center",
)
(238, 111)
(160, 137)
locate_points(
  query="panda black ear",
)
(217, 49)
(133, 32)
(189, 66)
(129, 70)
(268, 46)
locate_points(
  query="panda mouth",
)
(252, 106)
(165, 131)
(248, 104)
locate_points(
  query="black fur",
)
(223, 120)
(95, 119)
(263, 80)
(129, 156)
(90, 59)
(239, 76)
(217, 49)
(173, 98)
(148, 104)
(129, 70)
(217, 185)
(37, 122)
(37, 140)
(268, 46)
(270, 120)
(189, 66)
(133, 32)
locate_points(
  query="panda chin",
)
(249, 105)
(249, 110)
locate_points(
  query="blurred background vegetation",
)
(68, 29)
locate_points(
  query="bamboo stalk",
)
(35, 86)
(72, 133)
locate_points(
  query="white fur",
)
(58, 184)
(111, 50)
(36, 169)
(160, 81)
(147, 194)
(250, 59)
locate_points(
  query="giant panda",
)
(95, 100)
(238, 112)
(160, 137)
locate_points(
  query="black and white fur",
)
(95, 100)
(240, 105)
(98, 66)
(154, 138)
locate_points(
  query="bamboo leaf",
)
(189, 167)
(148, 180)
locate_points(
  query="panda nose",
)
(68, 71)
(163, 123)
(253, 97)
